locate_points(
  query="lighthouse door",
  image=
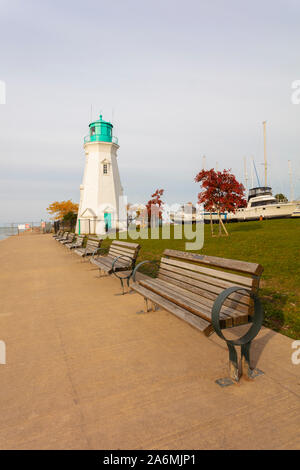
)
(107, 220)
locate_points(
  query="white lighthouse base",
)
(101, 225)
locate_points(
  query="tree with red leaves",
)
(221, 192)
(154, 206)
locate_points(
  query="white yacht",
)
(262, 204)
(296, 212)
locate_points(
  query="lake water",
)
(7, 231)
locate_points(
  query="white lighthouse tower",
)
(101, 206)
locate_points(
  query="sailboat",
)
(261, 202)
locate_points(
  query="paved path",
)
(84, 371)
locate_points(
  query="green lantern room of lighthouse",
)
(101, 131)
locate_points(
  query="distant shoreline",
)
(6, 232)
(8, 236)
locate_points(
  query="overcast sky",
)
(179, 79)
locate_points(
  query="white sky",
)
(180, 79)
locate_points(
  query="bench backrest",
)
(129, 250)
(79, 239)
(71, 236)
(207, 276)
(93, 243)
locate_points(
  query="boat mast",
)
(265, 152)
(256, 173)
(252, 173)
(291, 182)
(246, 174)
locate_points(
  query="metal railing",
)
(100, 138)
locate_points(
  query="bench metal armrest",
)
(98, 250)
(139, 265)
(130, 267)
(243, 341)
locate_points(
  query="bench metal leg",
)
(122, 286)
(124, 278)
(233, 363)
(146, 307)
(154, 306)
(244, 341)
(247, 372)
(233, 369)
(102, 273)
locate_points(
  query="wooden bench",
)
(78, 243)
(121, 257)
(209, 293)
(91, 248)
(70, 238)
(58, 234)
(64, 236)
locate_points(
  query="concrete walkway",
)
(84, 371)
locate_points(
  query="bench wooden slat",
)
(115, 253)
(101, 265)
(232, 307)
(126, 244)
(191, 275)
(63, 237)
(229, 316)
(215, 288)
(121, 249)
(90, 248)
(194, 320)
(193, 306)
(77, 243)
(210, 275)
(209, 297)
(79, 251)
(129, 251)
(93, 243)
(204, 289)
(106, 262)
(128, 247)
(124, 249)
(230, 264)
(69, 239)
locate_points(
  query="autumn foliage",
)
(154, 205)
(59, 210)
(221, 192)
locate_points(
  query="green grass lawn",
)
(275, 244)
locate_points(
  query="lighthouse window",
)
(105, 169)
(93, 130)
